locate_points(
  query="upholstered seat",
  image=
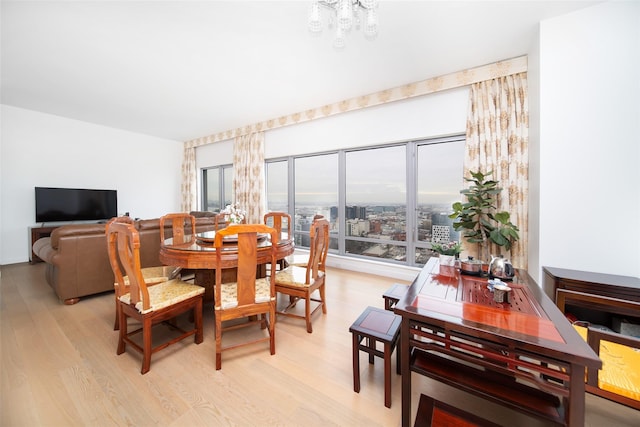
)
(229, 291)
(165, 294)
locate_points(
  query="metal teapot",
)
(501, 268)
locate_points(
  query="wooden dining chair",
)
(249, 296)
(220, 221)
(280, 221)
(302, 282)
(301, 260)
(149, 305)
(182, 224)
(151, 275)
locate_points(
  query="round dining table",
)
(198, 253)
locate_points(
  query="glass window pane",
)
(228, 185)
(316, 192)
(376, 202)
(439, 174)
(277, 186)
(212, 189)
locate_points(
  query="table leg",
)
(406, 374)
(575, 405)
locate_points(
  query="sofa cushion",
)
(75, 230)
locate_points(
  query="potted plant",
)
(448, 248)
(479, 218)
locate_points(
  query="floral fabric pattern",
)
(498, 141)
(229, 297)
(165, 294)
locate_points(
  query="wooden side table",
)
(376, 324)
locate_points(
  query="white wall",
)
(44, 150)
(589, 140)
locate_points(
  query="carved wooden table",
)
(199, 254)
(523, 354)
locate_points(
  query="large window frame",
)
(414, 247)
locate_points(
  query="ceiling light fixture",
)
(345, 15)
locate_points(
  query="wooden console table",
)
(522, 354)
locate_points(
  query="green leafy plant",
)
(479, 217)
(449, 248)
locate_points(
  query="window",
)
(439, 179)
(375, 214)
(387, 202)
(217, 187)
(277, 179)
(315, 193)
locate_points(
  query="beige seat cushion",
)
(165, 294)
(230, 293)
(294, 276)
(156, 274)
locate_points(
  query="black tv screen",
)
(74, 204)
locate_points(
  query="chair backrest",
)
(180, 224)
(123, 244)
(220, 221)
(318, 248)
(279, 220)
(246, 260)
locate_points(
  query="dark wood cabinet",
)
(610, 286)
(36, 233)
(598, 300)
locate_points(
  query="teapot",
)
(501, 268)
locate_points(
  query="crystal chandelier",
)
(345, 15)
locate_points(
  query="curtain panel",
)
(498, 141)
(248, 175)
(188, 187)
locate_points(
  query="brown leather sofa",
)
(77, 260)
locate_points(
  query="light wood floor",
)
(59, 368)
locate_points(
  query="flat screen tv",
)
(74, 204)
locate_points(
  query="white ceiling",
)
(185, 69)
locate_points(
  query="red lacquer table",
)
(523, 354)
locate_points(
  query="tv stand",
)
(37, 233)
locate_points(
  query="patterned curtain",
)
(189, 196)
(248, 176)
(498, 141)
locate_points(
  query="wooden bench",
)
(493, 386)
(432, 412)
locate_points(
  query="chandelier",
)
(345, 15)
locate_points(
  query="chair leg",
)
(197, 318)
(116, 322)
(355, 344)
(146, 345)
(322, 299)
(387, 374)
(122, 320)
(272, 330)
(307, 312)
(218, 342)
